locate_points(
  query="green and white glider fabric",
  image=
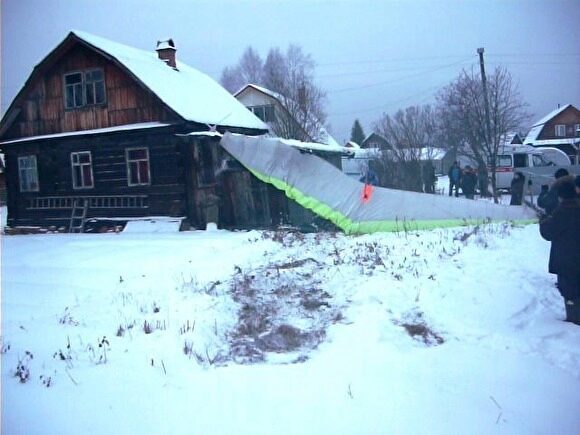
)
(324, 189)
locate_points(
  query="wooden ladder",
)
(78, 216)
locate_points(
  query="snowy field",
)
(456, 331)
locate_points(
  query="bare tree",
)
(232, 79)
(411, 134)
(290, 78)
(462, 105)
(248, 70)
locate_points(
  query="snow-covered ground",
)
(456, 331)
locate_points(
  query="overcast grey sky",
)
(372, 57)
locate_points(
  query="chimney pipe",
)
(166, 51)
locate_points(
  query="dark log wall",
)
(43, 106)
(165, 196)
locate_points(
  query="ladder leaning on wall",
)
(78, 215)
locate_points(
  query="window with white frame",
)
(576, 129)
(82, 170)
(138, 171)
(265, 113)
(84, 88)
(560, 130)
(28, 174)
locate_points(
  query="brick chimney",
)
(166, 51)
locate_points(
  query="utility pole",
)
(485, 99)
(490, 147)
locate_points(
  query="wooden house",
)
(128, 134)
(559, 129)
(375, 140)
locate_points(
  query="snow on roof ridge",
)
(178, 87)
(550, 115)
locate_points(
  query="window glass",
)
(539, 160)
(560, 130)
(138, 166)
(28, 174)
(520, 160)
(504, 160)
(82, 170)
(84, 88)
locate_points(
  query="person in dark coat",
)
(429, 178)
(468, 183)
(483, 180)
(548, 198)
(562, 228)
(517, 188)
(454, 178)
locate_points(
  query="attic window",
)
(560, 130)
(84, 88)
(265, 113)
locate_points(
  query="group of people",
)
(560, 224)
(468, 179)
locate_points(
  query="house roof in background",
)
(325, 136)
(539, 125)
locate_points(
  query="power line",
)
(390, 103)
(336, 91)
(400, 59)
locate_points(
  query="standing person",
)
(548, 198)
(562, 228)
(517, 188)
(454, 178)
(469, 181)
(429, 178)
(483, 181)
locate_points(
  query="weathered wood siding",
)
(43, 106)
(165, 196)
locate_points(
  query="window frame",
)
(27, 185)
(81, 165)
(65, 90)
(502, 159)
(84, 83)
(93, 83)
(128, 162)
(266, 112)
(560, 128)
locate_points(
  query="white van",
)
(536, 164)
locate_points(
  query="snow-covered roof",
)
(539, 125)
(192, 94)
(126, 127)
(563, 140)
(325, 136)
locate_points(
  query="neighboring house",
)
(375, 140)
(269, 107)
(131, 133)
(559, 129)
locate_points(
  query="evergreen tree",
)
(356, 133)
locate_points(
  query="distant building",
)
(269, 107)
(375, 140)
(559, 129)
